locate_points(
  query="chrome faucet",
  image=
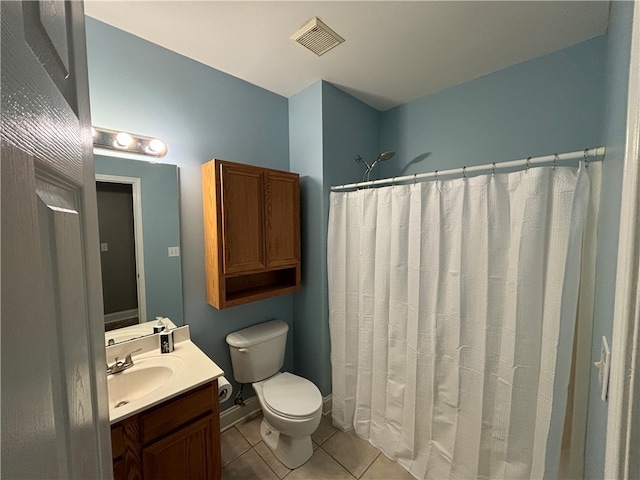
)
(119, 365)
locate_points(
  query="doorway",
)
(121, 251)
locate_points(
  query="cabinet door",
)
(282, 219)
(242, 218)
(186, 454)
(119, 470)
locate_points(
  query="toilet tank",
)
(258, 352)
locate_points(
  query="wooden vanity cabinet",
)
(178, 439)
(252, 232)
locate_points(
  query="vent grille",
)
(317, 37)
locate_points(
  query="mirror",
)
(138, 215)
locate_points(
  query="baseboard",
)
(236, 414)
(326, 405)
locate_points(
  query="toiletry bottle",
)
(166, 341)
(158, 327)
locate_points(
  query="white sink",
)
(155, 377)
(147, 375)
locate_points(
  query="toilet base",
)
(291, 451)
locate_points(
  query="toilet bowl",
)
(291, 405)
(291, 412)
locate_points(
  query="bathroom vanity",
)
(164, 411)
(178, 439)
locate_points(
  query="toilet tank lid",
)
(262, 332)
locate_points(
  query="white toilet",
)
(291, 405)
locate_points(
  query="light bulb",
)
(123, 139)
(156, 146)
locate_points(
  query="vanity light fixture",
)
(128, 142)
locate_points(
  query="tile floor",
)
(337, 455)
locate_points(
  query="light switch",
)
(174, 251)
(104, 247)
(603, 365)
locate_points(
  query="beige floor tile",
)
(232, 445)
(320, 467)
(271, 460)
(352, 452)
(249, 466)
(324, 430)
(384, 469)
(250, 429)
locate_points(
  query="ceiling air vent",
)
(317, 37)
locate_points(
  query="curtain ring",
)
(414, 178)
(464, 172)
(586, 162)
(527, 163)
(393, 181)
(493, 169)
(436, 175)
(555, 158)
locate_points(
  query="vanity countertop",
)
(192, 369)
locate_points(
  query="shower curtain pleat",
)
(452, 307)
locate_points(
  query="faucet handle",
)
(128, 360)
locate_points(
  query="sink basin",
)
(145, 377)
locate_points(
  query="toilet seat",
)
(291, 396)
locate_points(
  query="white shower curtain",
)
(452, 307)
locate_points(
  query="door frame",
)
(137, 233)
(623, 422)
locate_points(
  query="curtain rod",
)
(556, 157)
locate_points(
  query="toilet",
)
(291, 405)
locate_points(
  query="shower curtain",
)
(452, 308)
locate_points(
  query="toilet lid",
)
(292, 396)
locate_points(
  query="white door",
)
(54, 409)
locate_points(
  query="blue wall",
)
(550, 104)
(616, 67)
(327, 129)
(160, 230)
(305, 146)
(200, 113)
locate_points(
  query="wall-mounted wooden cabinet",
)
(178, 439)
(252, 232)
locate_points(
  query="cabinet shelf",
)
(252, 232)
(243, 288)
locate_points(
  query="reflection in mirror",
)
(111, 337)
(138, 214)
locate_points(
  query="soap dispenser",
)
(158, 327)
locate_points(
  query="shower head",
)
(381, 158)
(385, 156)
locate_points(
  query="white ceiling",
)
(394, 51)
